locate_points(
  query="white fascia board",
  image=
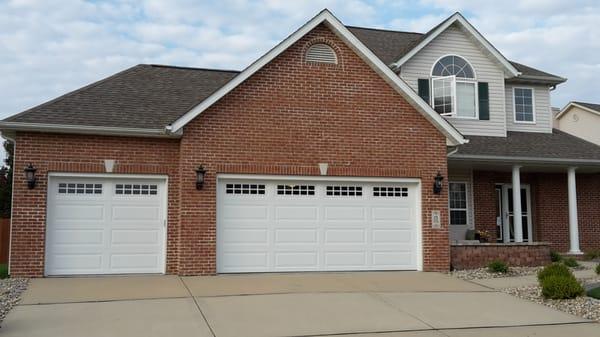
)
(460, 19)
(509, 159)
(88, 130)
(359, 48)
(573, 104)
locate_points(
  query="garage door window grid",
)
(295, 189)
(136, 189)
(75, 188)
(346, 191)
(390, 191)
(245, 189)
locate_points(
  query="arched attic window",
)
(321, 53)
(454, 87)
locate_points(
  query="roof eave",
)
(86, 130)
(574, 104)
(537, 79)
(524, 160)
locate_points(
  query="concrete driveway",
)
(382, 304)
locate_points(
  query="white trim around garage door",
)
(163, 178)
(416, 181)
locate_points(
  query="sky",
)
(50, 47)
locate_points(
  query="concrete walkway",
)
(393, 304)
(524, 281)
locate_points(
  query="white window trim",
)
(467, 203)
(532, 106)
(457, 55)
(454, 114)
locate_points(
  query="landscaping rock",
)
(10, 294)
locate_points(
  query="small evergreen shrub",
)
(570, 262)
(555, 256)
(554, 269)
(498, 266)
(598, 269)
(592, 254)
(559, 287)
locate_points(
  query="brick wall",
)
(549, 204)
(469, 256)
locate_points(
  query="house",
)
(342, 148)
(580, 119)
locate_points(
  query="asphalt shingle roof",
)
(555, 145)
(143, 96)
(595, 107)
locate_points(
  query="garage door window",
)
(136, 189)
(75, 188)
(295, 189)
(387, 191)
(346, 191)
(245, 189)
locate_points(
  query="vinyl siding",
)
(455, 41)
(580, 123)
(543, 112)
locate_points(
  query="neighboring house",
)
(321, 155)
(580, 119)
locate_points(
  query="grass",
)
(3, 270)
(595, 293)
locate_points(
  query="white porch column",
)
(516, 195)
(573, 222)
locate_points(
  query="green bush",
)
(570, 262)
(497, 266)
(595, 293)
(3, 271)
(592, 254)
(554, 269)
(598, 269)
(559, 287)
(555, 256)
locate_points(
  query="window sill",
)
(524, 122)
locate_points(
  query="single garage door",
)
(105, 226)
(283, 225)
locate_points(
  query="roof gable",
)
(458, 19)
(589, 107)
(325, 17)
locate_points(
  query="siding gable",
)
(455, 41)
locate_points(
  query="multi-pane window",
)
(458, 203)
(454, 87)
(346, 191)
(295, 189)
(389, 191)
(79, 188)
(245, 189)
(523, 105)
(136, 189)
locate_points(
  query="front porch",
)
(557, 202)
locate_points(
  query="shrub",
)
(3, 271)
(559, 287)
(554, 269)
(570, 262)
(555, 256)
(592, 254)
(497, 266)
(595, 293)
(598, 269)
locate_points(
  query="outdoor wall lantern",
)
(200, 172)
(30, 176)
(437, 185)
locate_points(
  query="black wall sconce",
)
(30, 176)
(200, 172)
(437, 184)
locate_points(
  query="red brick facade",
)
(284, 120)
(469, 256)
(549, 201)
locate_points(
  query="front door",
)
(508, 231)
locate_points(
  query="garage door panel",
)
(354, 229)
(105, 225)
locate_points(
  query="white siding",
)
(581, 123)
(455, 41)
(543, 112)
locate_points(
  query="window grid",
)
(295, 189)
(390, 191)
(346, 191)
(523, 104)
(457, 200)
(136, 189)
(245, 189)
(79, 188)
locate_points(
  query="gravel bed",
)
(483, 273)
(586, 307)
(10, 294)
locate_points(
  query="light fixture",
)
(30, 176)
(200, 172)
(437, 184)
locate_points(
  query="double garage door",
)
(293, 225)
(105, 225)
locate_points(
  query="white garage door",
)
(105, 226)
(272, 225)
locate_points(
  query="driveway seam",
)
(105, 301)
(212, 332)
(381, 299)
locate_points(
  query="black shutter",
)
(484, 101)
(424, 89)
